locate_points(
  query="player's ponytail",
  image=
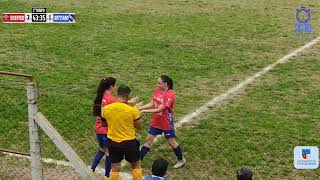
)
(104, 85)
(167, 80)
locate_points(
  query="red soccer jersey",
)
(163, 120)
(101, 127)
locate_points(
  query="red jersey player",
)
(161, 107)
(103, 97)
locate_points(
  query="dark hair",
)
(104, 85)
(167, 80)
(124, 91)
(159, 167)
(244, 174)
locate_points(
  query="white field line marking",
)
(99, 170)
(242, 85)
(214, 101)
(45, 160)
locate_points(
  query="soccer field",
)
(206, 47)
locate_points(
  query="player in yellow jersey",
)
(123, 120)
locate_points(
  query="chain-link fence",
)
(27, 151)
(14, 133)
(213, 149)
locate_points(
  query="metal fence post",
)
(36, 164)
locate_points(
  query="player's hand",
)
(141, 106)
(138, 105)
(144, 111)
(133, 100)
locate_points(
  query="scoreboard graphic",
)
(39, 15)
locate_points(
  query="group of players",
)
(117, 119)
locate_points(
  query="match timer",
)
(39, 15)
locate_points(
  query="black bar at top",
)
(39, 10)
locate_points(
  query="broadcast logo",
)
(306, 157)
(305, 153)
(303, 16)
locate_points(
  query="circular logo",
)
(5, 18)
(303, 15)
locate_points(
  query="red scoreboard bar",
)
(13, 17)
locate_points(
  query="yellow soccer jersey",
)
(120, 118)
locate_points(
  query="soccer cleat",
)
(180, 163)
(106, 178)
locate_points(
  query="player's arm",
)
(103, 117)
(147, 106)
(167, 102)
(155, 110)
(137, 118)
(138, 123)
(133, 101)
